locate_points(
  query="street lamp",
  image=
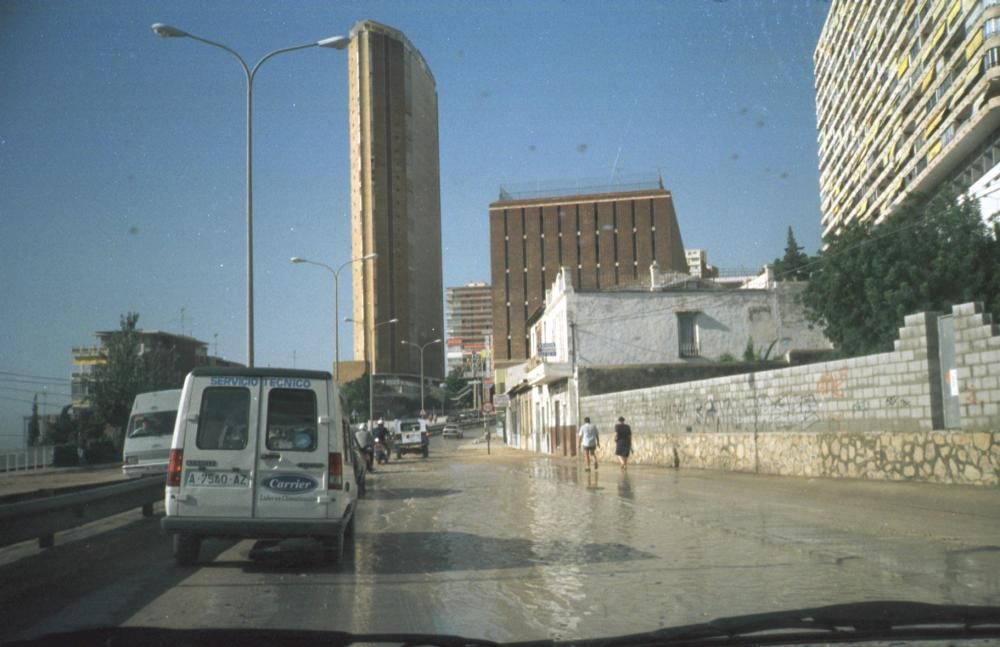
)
(371, 367)
(335, 42)
(336, 302)
(421, 347)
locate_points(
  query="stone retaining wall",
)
(938, 457)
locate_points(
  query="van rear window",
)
(291, 420)
(223, 419)
(159, 423)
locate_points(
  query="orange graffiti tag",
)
(829, 383)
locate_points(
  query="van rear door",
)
(294, 459)
(217, 475)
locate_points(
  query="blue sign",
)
(290, 483)
(547, 349)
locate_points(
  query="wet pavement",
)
(513, 546)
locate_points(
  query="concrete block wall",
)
(874, 417)
(977, 358)
(894, 391)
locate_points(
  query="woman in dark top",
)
(623, 442)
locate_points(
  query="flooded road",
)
(513, 546)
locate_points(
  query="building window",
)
(991, 27)
(991, 58)
(687, 333)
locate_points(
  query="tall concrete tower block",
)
(395, 202)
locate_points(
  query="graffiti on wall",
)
(830, 384)
(711, 413)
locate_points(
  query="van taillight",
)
(174, 467)
(335, 478)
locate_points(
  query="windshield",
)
(159, 423)
(641, 313)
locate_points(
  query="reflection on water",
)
(625, 486)
(540, 548)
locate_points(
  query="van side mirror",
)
(324, 420)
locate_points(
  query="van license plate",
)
(216, 479)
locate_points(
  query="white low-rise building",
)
(676, 321)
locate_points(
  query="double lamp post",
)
(422, 347)
(336, 301)
(334, 42)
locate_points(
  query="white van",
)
(148, 435)
(260, 453)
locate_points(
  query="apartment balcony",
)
(548, 372)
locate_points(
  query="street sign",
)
(501, 400)
(547, 349)
(487, 407)
(423, 413)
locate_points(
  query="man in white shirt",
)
(589, 442)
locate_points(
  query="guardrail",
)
(41, 518)
(26, 459)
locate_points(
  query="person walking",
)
(623, 442)
(589, 441)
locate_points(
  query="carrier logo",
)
(290, 484)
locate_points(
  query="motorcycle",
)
(381, 453)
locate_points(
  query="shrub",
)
(102, 450)
(65, 456)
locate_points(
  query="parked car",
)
(452, 430)
(260, 453)
(411, 437)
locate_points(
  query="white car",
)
(452, 430)
(260, 453)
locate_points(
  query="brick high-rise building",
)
(395, 201)
(604, 240)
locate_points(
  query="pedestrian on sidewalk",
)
(623, 442)
(589, 441)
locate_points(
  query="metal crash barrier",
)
(41, 518)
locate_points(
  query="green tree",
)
(794, 265)
(128, 372)
(356, 394)
(454, 384)
(121, 377)
(927, 256)
(64, 430)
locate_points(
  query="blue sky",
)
(122, 154)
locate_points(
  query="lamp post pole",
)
(336, 302)
(421, 347)
(371, 366)
(335, 42)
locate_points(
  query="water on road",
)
(514, 546)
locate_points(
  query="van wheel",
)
(333, 548)
(186, 549)
(349, 531)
